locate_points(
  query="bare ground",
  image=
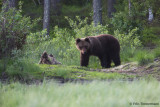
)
(132, 68)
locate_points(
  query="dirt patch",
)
(152, 69)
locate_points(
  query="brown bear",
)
(105, 47)
(48, 59)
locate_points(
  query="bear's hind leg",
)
(108, 60)
(116, 60)
(105, 62)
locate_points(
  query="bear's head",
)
(83, 45)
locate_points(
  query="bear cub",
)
(105, 47)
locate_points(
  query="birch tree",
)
(150, 17)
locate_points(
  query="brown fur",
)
(48, 59)
(105, 47)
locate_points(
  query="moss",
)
(74, 72)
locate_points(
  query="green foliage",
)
(129, 43)
(38, 37)
(149, 36)
(126, 19)
(21, 69)
(37, 43)
(157, 52)
(83, 29)
(130, 40)
(13, 29)
(144, 57)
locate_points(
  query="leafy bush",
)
(157, 52)
(82, 29)
(148, 36)
(13, 29)
(144, 57)
(126, 19)
(128, 43)
(130, 40)
(21, 69)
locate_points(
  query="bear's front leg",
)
(84, 59)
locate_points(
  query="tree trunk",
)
(54, 3)
(111, 8)
(150, 17)
(55, 6)
(46, 18)
(9, 4)
(9, 41)
(97, 12)
(129, 7)
(12, 3)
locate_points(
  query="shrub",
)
(148, 37)
(13, 29)
(128, 43)
(21, 69)
(81, 28)
(144, 57)
(157, 52)
(130, 40)
(126, 19)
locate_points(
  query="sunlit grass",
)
(74, 72)
(94, 94)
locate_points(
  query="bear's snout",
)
(83, 51)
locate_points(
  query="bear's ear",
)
(78, 40)
(87, 40)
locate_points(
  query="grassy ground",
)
(92, 94)
(32, 72)
(26, 71)
(73, 72)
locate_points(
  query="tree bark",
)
(55, 6)
(9, 4)
(150, 17)
(111, 8)
(9, 41)
(46, 18)
(97, 12)
(12, 3)
(129, 7)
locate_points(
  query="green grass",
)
(25, 70)
(157, 52)
(144, 57)
(140, 55)
(74, 72)
(94, 94)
